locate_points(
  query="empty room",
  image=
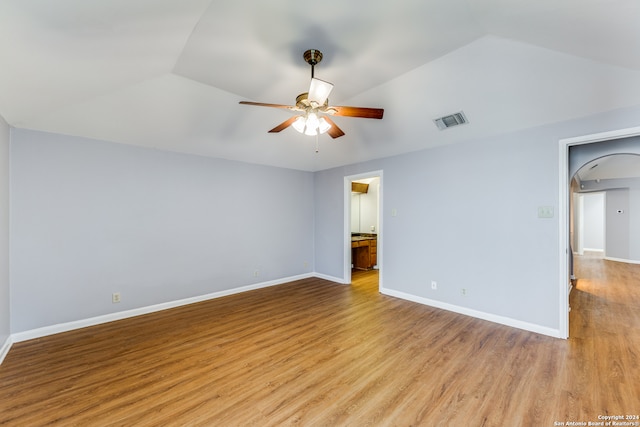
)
(348, 213)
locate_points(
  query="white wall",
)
(91, 218)
(355, 212)
(593, 222)
(369, 208)
(5, 311)
(476, 205)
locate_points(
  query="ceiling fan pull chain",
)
(317, 149)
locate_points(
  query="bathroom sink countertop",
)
(357, 238)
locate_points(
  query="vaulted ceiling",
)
(169, 74)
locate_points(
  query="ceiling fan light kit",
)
(314, 106)
(311, 125)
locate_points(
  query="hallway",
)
(606, 297)
(604, 336)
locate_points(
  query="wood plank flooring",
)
(316, 353)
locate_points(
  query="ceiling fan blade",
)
(319, 91)
(262, 104)
(334, 131)
(367, 113)
(284, 125)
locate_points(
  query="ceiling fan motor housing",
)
(303, 103)
(312, 56)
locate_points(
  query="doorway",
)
(568, 169)
(589, 223)
(363, 221)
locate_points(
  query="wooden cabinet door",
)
(373, 251)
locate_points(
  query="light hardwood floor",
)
(316, 353)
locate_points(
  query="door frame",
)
(347, 224)
(563, 212)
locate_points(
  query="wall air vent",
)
(451, 120)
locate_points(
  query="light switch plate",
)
(545, 211)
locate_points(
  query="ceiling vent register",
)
(451, 120)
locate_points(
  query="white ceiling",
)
(169, 74)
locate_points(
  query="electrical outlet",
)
(434, 285)
(256, 273)
(463, 291)
(306, 264)
(115, 297)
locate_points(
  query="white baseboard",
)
(628, 261)
(69, 326)
(330, 278)
(4, 350)
(507, 321)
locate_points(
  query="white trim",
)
(592, 250)
(563, 239)
(346, 231)
(4, 350)
(602, 136)
(507, 321)
(330, 278)
(627, 261)
(563, 211)
(69, 326)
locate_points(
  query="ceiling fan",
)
(314, 106)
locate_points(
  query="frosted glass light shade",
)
(311, 125)
(323, 125)
(299, 124)
(319, 91)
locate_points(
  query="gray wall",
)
(4, 233)
(463, 223)
(622, 216)
(91, 218)
(467, 218)
(617, 224)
